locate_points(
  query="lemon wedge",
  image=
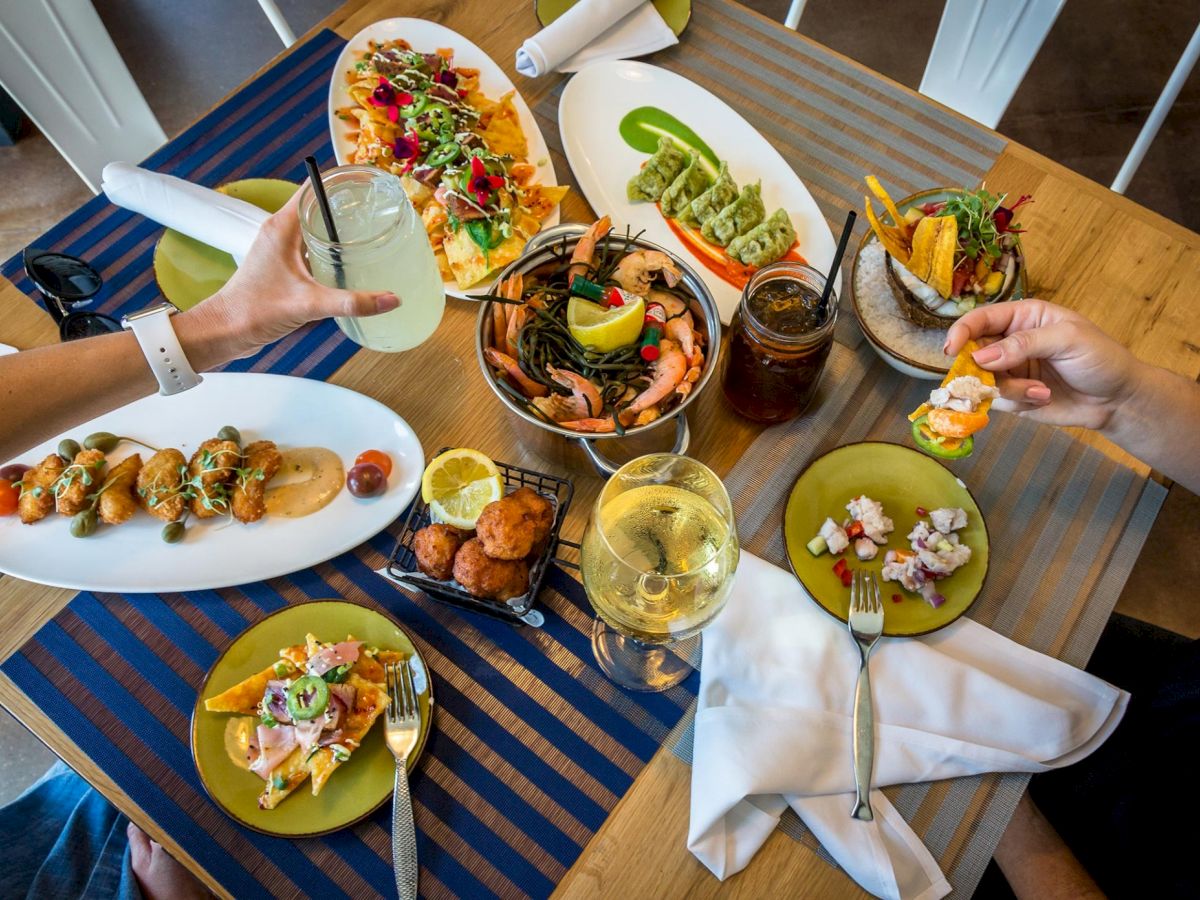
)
(605, 328)
(458, 484)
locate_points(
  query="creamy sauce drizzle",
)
(308, 479)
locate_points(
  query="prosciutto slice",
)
(274, 746)
(332, 657)
(308, 733)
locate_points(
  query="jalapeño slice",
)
(934, 448)
(307, 698)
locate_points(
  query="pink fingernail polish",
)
(386, 302)
(987, 354)
(1038, 392)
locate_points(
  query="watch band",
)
(155, 335)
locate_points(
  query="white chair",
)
(981, 53)
(278, 22)
(1165, 101)
(60, 66)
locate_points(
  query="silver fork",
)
(866, 625)
(402, 726)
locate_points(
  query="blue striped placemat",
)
(264, 131)
(531, 747)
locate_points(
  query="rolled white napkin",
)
(592, 30)
(773, 728)
(209, 216)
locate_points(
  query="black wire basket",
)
(402, 564)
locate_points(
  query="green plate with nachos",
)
(907, 483)
(359, 785)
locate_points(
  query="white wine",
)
(658, 562)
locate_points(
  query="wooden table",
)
(1121, 265)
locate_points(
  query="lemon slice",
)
(605, 328)
(458, 484)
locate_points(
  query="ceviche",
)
(461, 156)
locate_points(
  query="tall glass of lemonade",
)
(381, 246)
(658, 560)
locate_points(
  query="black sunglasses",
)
(68, 282)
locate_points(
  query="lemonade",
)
(381, 246)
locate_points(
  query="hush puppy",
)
(483, 576)
(435, 547)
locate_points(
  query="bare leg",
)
(159, 876)
(1036, 862)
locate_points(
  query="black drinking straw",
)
(837, 257)
(314, 176)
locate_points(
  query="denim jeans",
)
(62, 839)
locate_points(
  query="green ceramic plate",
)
(186, 270)
(676, 13)
(901, 479)
(357, 788)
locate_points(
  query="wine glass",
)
(658, 560)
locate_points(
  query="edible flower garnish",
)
(483, 185)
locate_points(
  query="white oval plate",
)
(426, 37)
(292, 412)
(589, 117)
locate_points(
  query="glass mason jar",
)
(779, 339)
(381, 246)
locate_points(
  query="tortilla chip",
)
(369, 702)
(964, 364)
(467, 262)
(541, 199)
(503, 133)
(293, 771)
(243, 697)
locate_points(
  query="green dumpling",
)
(737, 218)
(764, 243)
(688, 185)
(720, 194)
(662, 168)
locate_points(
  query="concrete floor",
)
(1082, 104)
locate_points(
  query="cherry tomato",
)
(13, 472)
(378, 458)
(8, 497)
(366, 480)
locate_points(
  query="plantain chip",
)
(888, 203)
(941, 272)
(894, 240)
(924, 244)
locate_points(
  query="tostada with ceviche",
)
(462, 156)
(947, 256)
(945, 424)
(305, 714)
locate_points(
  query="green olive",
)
(68, 449)
(173, 532)
(104, 441)
(229, 433)
(83, 523)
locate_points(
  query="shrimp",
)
(584, 400)
(514, 319)
(669, 369)
(681, 332)
(637, 271)
(499, 325)
(584, 255)
(592, 426)
(673, 305)
(512, 369)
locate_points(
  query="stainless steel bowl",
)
(602, 453)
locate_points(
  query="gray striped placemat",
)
(1066, 524)
(833, 121)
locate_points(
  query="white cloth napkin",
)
(773, 728)
(209, 216)
(592, 30)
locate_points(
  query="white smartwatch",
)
(152, 328)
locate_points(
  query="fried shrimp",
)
(505, 531)
(435, 548)
(211, 470)
(483, 576)
(159, 483)
(37, 489)
(77, 481)
(260, 461)
(118, 502)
